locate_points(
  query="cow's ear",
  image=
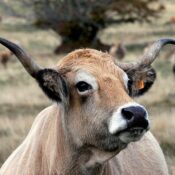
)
(140, 80)
(53, 84)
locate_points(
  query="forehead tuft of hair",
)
(82, 56)
(93, 60)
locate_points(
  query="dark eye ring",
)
(130, 82)
(82, 86)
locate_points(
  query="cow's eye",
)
(82, 86)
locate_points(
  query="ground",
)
(21, 98)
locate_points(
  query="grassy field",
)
(21, 99)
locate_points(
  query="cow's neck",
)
(79, 160)
(57, 154)
(73, 160)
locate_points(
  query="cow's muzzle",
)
(129, 122)
(136, 118)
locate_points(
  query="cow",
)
(118, 51)
(94, 127)
(5, 57)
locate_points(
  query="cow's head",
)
(96, 94)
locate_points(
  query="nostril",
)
(128, 115)
(136, 116)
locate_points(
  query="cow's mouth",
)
(131, 134)
(120, 140)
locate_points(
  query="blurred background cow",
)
(118, 51)
(5, 57)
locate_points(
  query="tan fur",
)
(172, 19)
(55, 143)
(5, 57)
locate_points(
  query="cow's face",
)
(100, 111)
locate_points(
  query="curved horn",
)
(149, 56)
(26, 60)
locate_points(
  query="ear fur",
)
(140, 80)
(53, 84)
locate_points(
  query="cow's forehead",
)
(93, 61)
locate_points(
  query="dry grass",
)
(21, 99)
(160, 102)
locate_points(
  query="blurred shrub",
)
(79, 21)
